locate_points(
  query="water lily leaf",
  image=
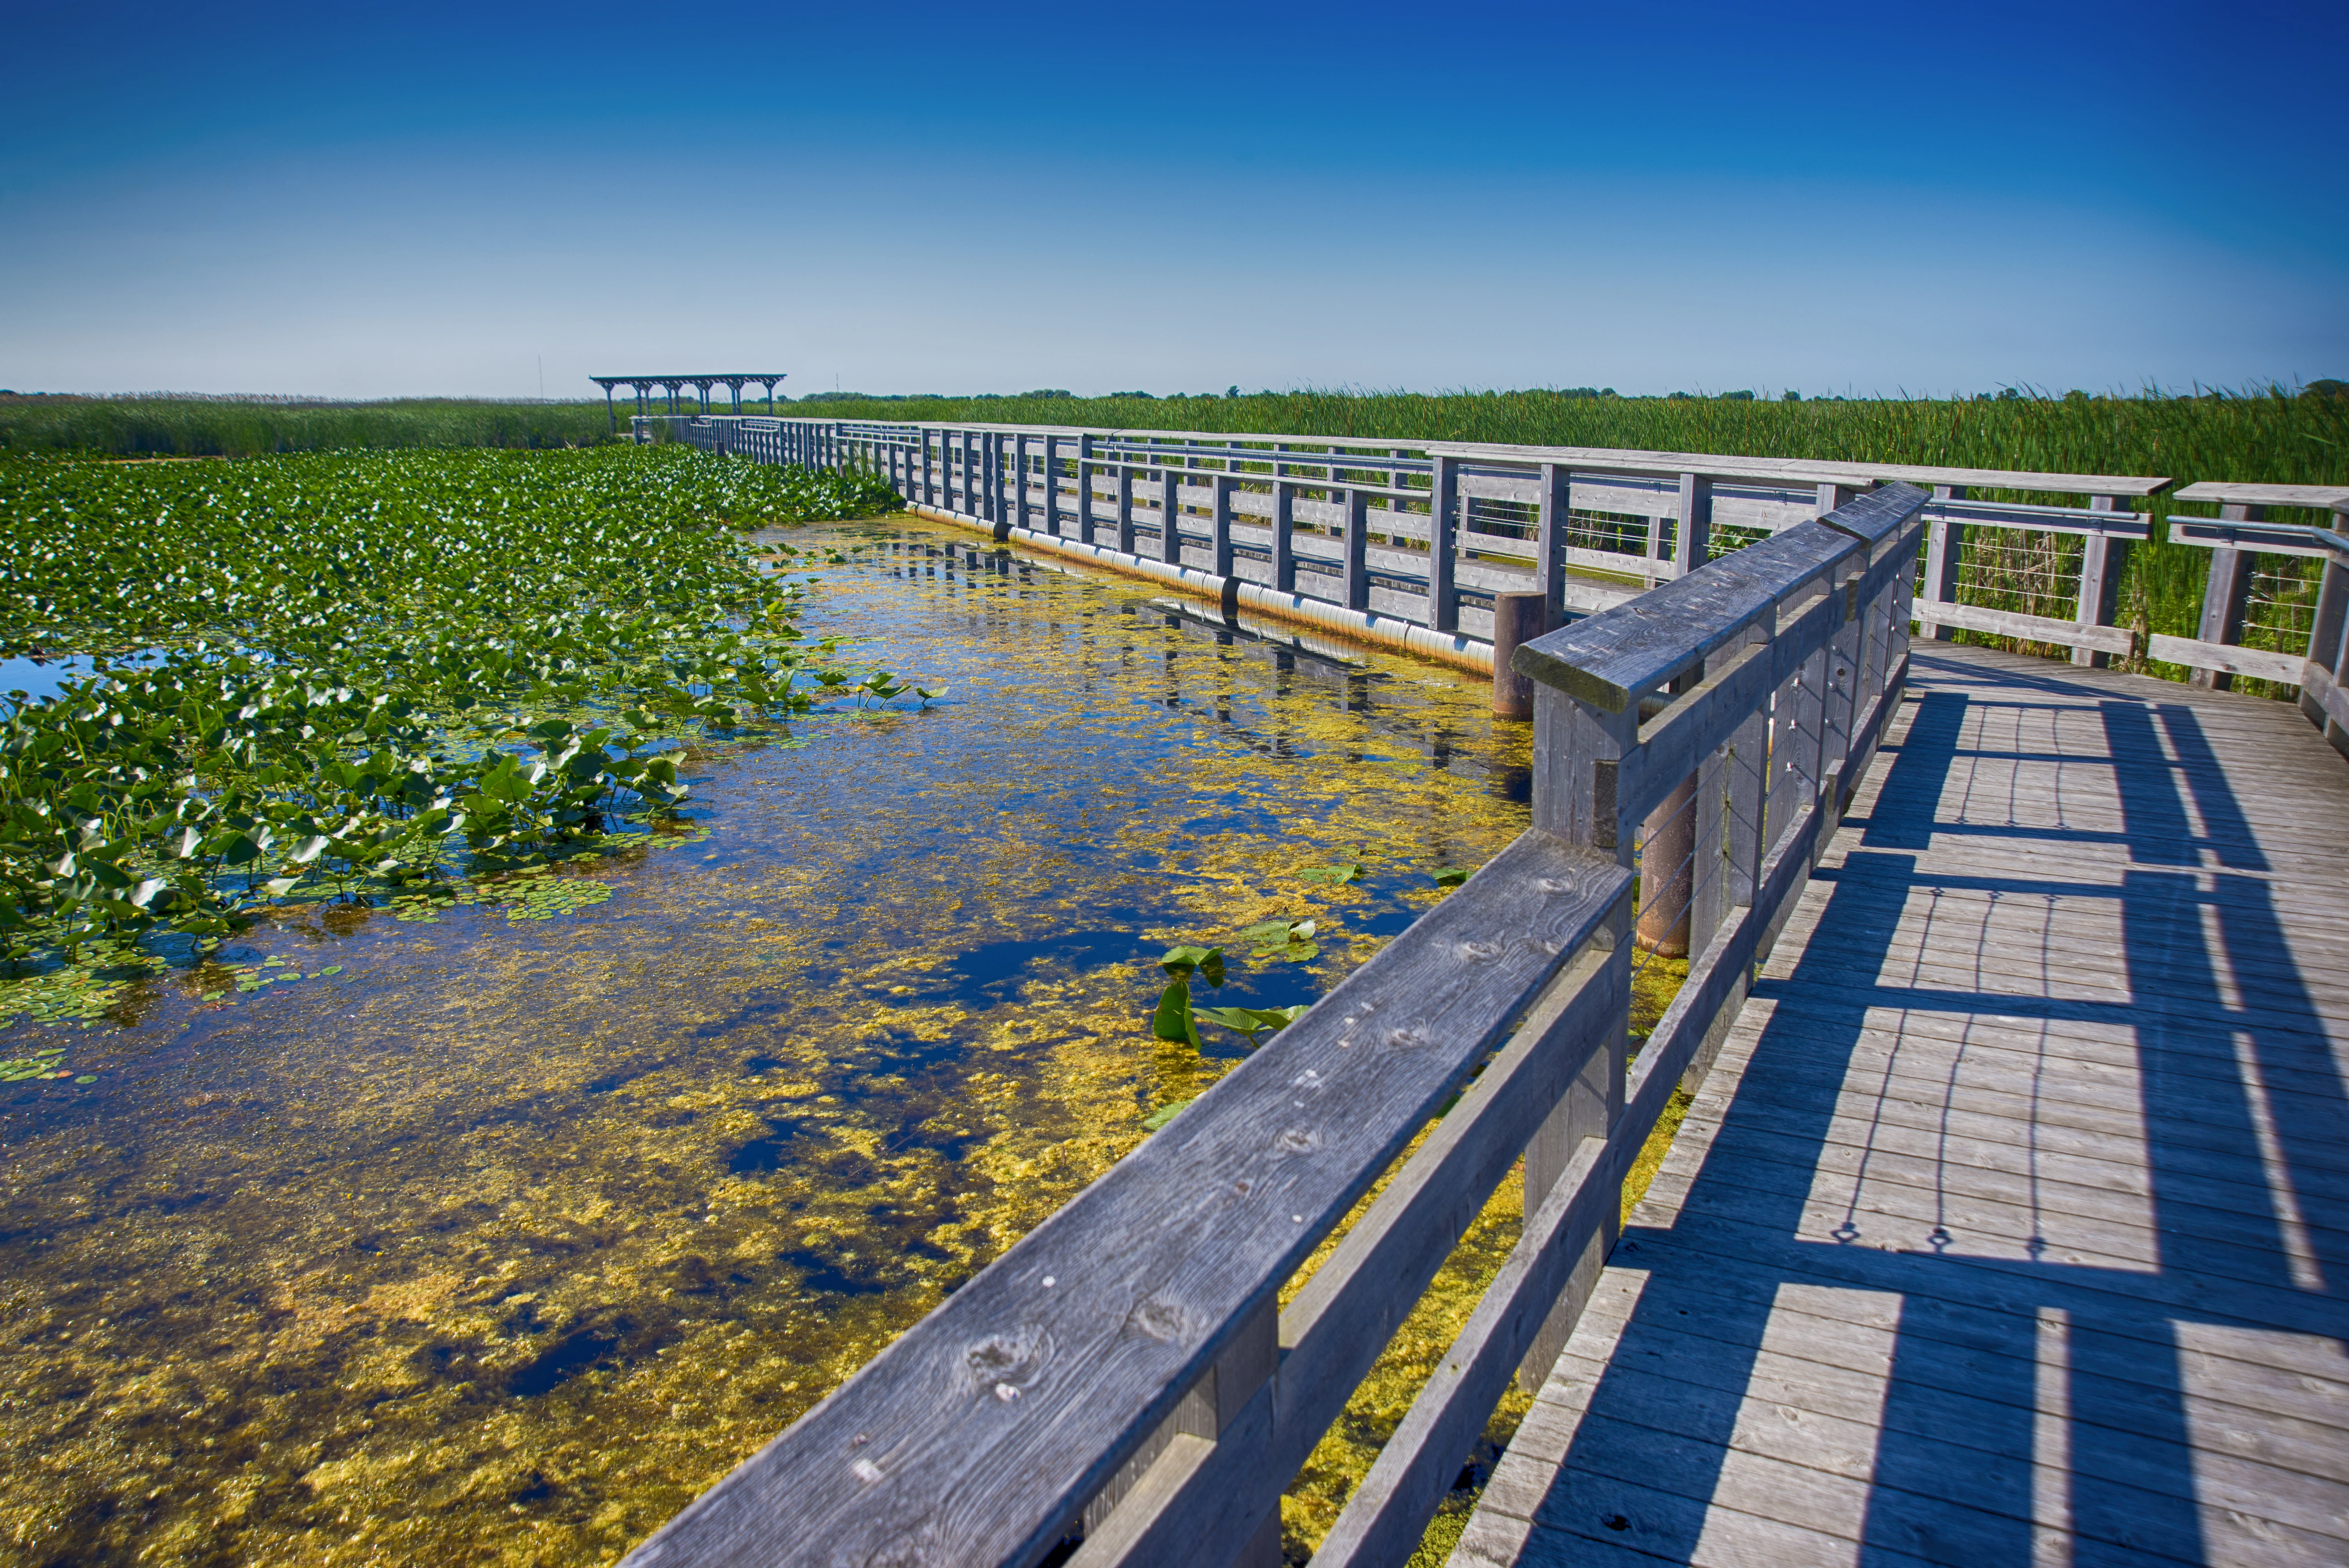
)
(1205, 961)
(1336, 875)
(1171, 1018)
(1449, 876)
(1164, 1114)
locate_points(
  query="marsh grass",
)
(193, 428)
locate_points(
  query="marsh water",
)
(515, 1231)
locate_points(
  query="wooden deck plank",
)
(2013, 1218)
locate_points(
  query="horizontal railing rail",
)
(2237, 588)
(1359, 533)
(1425, 545)
(1125, 1378)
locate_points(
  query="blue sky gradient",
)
(918, 198)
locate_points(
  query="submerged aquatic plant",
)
(341, 675)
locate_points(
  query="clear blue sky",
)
(366, 200)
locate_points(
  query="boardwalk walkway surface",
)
(2013, 1223)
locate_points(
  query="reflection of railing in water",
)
(1125, 1378)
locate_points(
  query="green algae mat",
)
(489, 1206)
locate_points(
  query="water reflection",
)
(510, 1237)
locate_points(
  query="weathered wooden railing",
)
(1417, 544)
(1125, 1375)
(2252, 593)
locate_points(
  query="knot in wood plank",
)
(1004, 1363)
(1156, 1318)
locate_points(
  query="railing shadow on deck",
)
(2240, 1106)
(1122, 1386)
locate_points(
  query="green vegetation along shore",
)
(367, 672)
(2273, 436)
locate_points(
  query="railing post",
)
(1580, 758)
(1442, 595)
(1170, 512)
(1549, 530)
(1211, 1411)
(2328, 639)
(1224, 483)
(1358, 546)
(1052, 485)
(1842, 679)
(1692, 542)
(1124, 506)
(1284, 534)
(1085, 488)
(2225, 595)
(2101, 558)
(1944, 554)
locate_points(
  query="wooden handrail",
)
(1124, 1372)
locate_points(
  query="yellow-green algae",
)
(498, 1240)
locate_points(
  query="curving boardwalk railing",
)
(1123, 1384)
(1422, 545)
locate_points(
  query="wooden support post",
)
(1518, 618)
(1549, 533)
(2101, 560)
(1944, 553)
(1443, 594)
(1052, 485)
(1170, 512)
(1085, 488)
(2224, 597)
(1222, 483)
(1578, 757)
(1692, 539)
(1125, 506)
(1667, 852)
(1843, 675)
(1211, 1411)
(2328, 641)
(1358, 544)
(1284, 535)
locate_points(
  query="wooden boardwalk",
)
(2012, 1224)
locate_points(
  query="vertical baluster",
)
(1357, 547)
(2101, 560)
(1052, 485)
(1124, 504)
(2225, 597)
(1222, 484)
(1944, 554)
(1549, 516)
(1582, 757)
(1170, 512)
(1442, 596)
(1284, 533)
(1085, 488)
(1693, 539)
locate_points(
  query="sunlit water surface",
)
(509, 1238)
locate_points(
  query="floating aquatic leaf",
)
(1164, 1114)
(1338, 875)
(1449, 876)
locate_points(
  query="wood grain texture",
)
(2028, 628)
(2013, 1218)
